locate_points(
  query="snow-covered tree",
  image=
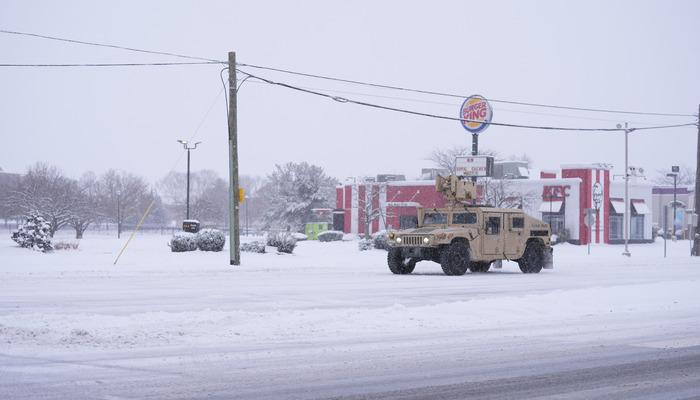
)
(34, 233)
(45, 191)
(292, 192)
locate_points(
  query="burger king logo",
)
(476, 114)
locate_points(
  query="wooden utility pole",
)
(696, 239)
(234, 228)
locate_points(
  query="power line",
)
(435, 93)
(108, 64)
(377, 85)
(437, 116)
(447, 104)
(113, 46)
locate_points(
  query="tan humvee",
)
(462, 236)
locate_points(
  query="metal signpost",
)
(589, 219)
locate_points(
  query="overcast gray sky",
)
(630, 55)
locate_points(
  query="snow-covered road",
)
(332, 321)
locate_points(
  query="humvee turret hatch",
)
(463, 236)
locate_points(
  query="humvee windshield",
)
(435, 219)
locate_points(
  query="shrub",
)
(253, 247)
(271, 239)
(183, 241)
(300, 237)
(349, 237)
(34, 234)
(365, 244)
(330, 236)
(286, 242)
(66, 245)
(211, 240)
(381, 240)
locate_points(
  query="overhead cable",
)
(437, 116)
(461, 96)
(111, 64)
(163, 53)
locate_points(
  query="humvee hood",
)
(430, 229)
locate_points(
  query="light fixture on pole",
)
(185, 144)
(628, 207)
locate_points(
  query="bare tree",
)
(208, 195)
(86, 204)
(501, 193)
(686, 176)
(46, 191)
(369, 203)
(123, 197)
(445, 158)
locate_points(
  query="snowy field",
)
(330, 320)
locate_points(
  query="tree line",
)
(284, 199)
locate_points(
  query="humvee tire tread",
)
(454, 259)
(397, 263)
(532, 260)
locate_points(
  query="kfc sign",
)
(550, 193)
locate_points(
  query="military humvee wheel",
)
(398, 264)
(532, 260)
(454, 259)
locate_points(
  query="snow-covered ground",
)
(327, 320)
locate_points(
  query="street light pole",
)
(673, 219)
(119, 216)
(628, 206)
(185, 144)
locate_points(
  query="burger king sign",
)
(476, 114)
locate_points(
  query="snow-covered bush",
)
(271, 239)
(286, 242)
(253, 247)
(183, 241)
(210, 240)
(66, 245)
(380, 240)
(365, 244)
(300, 237)
(34, 234)
(349, 237)
(330, 236)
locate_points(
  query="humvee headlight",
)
(426, 240)
(398, 240)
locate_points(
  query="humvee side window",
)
(435, 219)
(517, 223)
(464, 218)
(493, 226)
